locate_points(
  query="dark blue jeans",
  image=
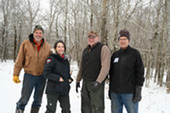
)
(118, 100)
(31, 82)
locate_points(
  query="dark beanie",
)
(124, 33)
(38, 27)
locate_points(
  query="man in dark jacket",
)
(126, 76)
(94, 67)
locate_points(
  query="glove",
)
(137, 96)
(95, 86)
(16, 79)
(77, 86)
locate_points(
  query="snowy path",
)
(154, 100)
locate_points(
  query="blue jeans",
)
(31, 82)
(118, 100)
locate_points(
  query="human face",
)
(38, 34)
(123, 42)
(60, 48)
(92, 40)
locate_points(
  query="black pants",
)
(52, 103)
(92, 102)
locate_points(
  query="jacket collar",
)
(59, 57)
(89, 47)
(125, 50)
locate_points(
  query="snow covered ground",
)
(154, 100)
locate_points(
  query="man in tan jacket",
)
(32, 56)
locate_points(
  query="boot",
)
(19, 110)
(34, 110)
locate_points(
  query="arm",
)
(48, 70)
(105, 63)
(79, 75)
(19, 63)
(139, 70)
(139, 79)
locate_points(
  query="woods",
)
(147, 20)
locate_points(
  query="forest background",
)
(70, 20)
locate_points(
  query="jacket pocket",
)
(27, 61)
(60, 87)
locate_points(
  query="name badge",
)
(116, 60)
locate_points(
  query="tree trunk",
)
(167, 9)
(103, 25)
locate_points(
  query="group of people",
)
(124, 69)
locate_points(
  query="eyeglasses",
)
(92, 37)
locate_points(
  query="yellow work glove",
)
(16, 79)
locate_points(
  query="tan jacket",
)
(30, 59)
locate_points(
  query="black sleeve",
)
(48, 70)
(111, 65)
(139, 70)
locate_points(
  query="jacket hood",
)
(31, 37)
(54, 54)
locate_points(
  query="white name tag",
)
(116, 60)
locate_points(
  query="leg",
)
(51, 103)
(97, 98)
(19, 111)
(85, 99)
(129, 105)
(116, 103)
(28, 84)
(64, 103)
(39, 89)
(34, 110)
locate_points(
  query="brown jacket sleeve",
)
(19, 61)
(105, 63)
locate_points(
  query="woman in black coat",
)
(57, 72)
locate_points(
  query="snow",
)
(154, 98)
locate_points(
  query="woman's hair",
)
(60, 41)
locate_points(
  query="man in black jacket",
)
(126, 76)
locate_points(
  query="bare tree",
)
(33, 8)
(5, 8)
(103, 25)
(167, 10)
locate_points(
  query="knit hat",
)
(38, 27)
(124, 33)
(92, 33)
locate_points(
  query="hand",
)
(16, 79)
(77, 86)
(137, 96)
(95, 86)
(70, 80)
(61, 79)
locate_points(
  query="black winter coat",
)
(56, 67)
(126, 71)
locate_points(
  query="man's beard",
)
(38, 40)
